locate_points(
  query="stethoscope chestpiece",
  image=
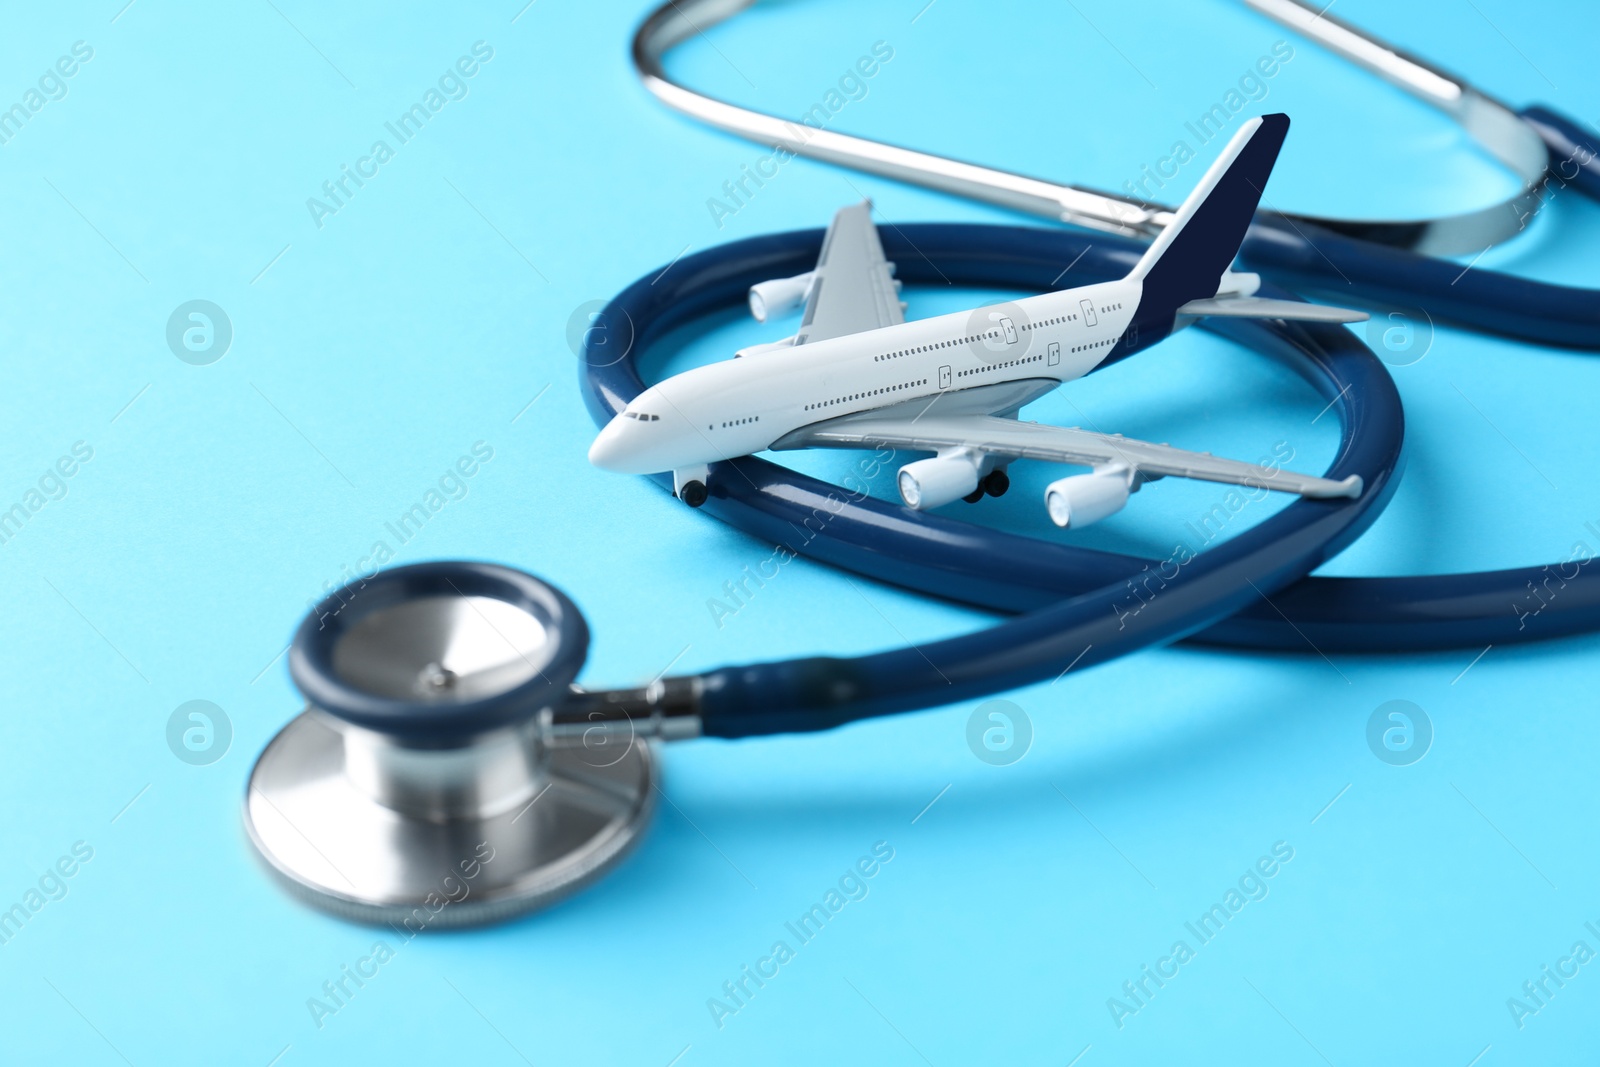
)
(421, 786)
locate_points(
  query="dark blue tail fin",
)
(1187, 261)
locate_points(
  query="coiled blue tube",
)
(985, 568)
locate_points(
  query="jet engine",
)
(779, 296)
(932, 483)
(1086, 498)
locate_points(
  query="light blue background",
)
(432, 309)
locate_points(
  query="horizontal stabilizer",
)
(1254, 307)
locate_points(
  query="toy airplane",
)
(857, 375)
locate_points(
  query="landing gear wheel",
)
(693, 493)
(996, 483)
(974, 496)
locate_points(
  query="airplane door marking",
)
(1055, 353)
(944, 377)
(1009, 328)
(1088, 312)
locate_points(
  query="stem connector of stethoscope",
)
(668, 709)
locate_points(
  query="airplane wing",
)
(1008, 438)
(853, 288)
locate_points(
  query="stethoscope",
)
(442, 724)
(448, 771)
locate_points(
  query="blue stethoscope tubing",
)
(1070, 592)
(1574, 150)
(1067, 595)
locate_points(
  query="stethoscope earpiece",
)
(445, 771)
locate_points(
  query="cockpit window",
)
(642, 417)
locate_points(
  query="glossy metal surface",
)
(1496, 128)
(341, 824)
(1493, 125)
(678, 20)
(442, 648)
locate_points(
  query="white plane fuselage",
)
(742, 406)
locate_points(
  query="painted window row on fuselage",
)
(880, 391)
(951, 343)
(986, 335)
(936, 345)
(999, 366)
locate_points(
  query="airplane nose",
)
(610, 446)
